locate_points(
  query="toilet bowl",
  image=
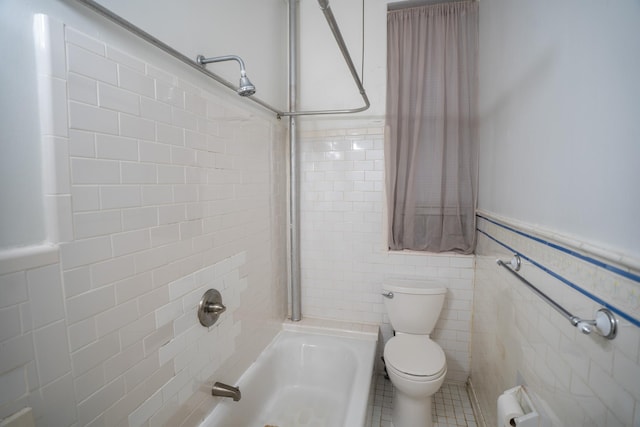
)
(416, 368)
(416, 364)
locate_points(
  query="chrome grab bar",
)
(605, 323)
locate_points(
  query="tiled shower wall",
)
(159, 186)
(344, 255)
(575, 379)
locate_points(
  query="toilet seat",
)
(415, 357)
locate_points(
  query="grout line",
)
(567, 282)
(607, 265)
(451, 405)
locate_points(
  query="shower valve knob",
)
(215, 308)
(210, 307)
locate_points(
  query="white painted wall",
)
(559, 128)
(559, 132)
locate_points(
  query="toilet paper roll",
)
(508, 409)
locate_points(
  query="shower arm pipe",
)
(333, 25)
(117, 19)
(243, 70)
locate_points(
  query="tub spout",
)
(224, 390)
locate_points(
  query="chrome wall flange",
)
(606, 323)
(514, 263)
(210, 307)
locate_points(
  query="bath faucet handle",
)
(387, 294)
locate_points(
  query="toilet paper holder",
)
(515, 409)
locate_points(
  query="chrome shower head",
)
(245, 88)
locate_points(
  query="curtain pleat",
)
(430, 141)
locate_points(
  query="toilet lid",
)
(415, 355)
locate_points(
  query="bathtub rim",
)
(362, 331)
(323, 327)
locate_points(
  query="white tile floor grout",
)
(451, 405)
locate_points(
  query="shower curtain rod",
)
(324, 5)
(333, 25)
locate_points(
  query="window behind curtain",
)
(430, 141)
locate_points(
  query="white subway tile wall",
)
(344, 254)
(576, 379)
(162, 189)
(157, 187)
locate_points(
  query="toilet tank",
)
(416, 304)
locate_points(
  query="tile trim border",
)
(608, 255)
(25, 258)
(611, 268)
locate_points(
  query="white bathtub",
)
(304, 379)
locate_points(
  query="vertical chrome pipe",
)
(294, 171)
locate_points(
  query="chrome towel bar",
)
(605, 323)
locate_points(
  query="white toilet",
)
(416, 365)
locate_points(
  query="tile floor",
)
(451, 405)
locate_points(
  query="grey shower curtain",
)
(430, 141)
